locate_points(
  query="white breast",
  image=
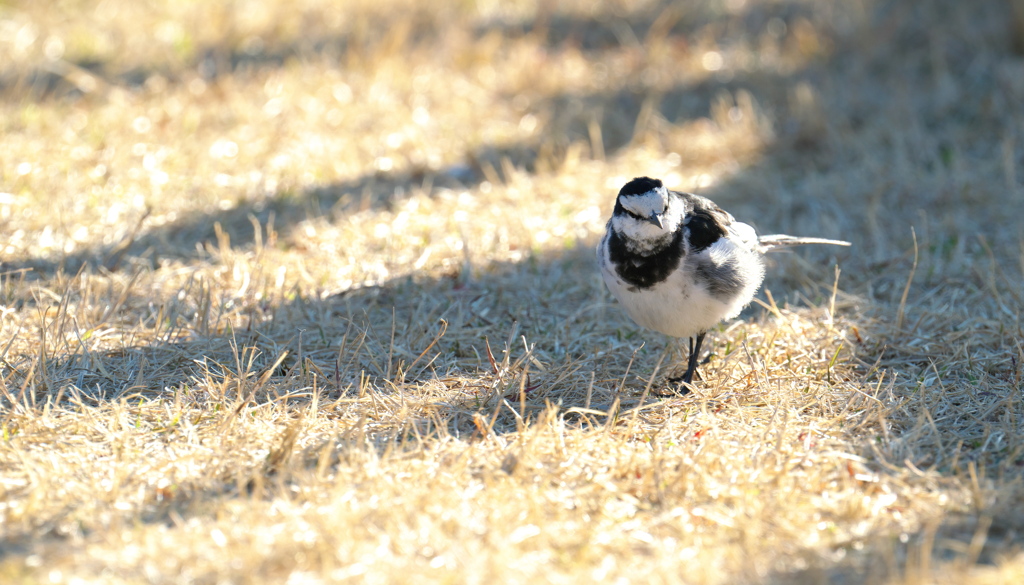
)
(680, 306)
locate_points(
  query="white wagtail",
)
(679, 264)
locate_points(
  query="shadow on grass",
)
(371, 333)
(571, 116)
(836, 70)
(420, 30)
(798, 145)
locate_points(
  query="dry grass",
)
(294, 292)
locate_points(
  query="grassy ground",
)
(305, 293)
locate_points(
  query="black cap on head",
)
(639, 186)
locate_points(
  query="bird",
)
(679, 264)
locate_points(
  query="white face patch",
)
(642, 236)
(646, 204)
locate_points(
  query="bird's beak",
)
(656, 220)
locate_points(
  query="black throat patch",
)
(645, 271)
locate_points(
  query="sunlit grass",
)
(303, 292)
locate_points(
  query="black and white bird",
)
(679, 264)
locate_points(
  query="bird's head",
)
(645, 211)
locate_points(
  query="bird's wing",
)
(705, 221)
(778, 241)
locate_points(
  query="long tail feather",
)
(778, 241)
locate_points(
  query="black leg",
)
(691, 363)
(691, 366)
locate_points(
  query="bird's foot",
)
(681, 385)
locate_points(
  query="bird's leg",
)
(691, 363)
(691, 366)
